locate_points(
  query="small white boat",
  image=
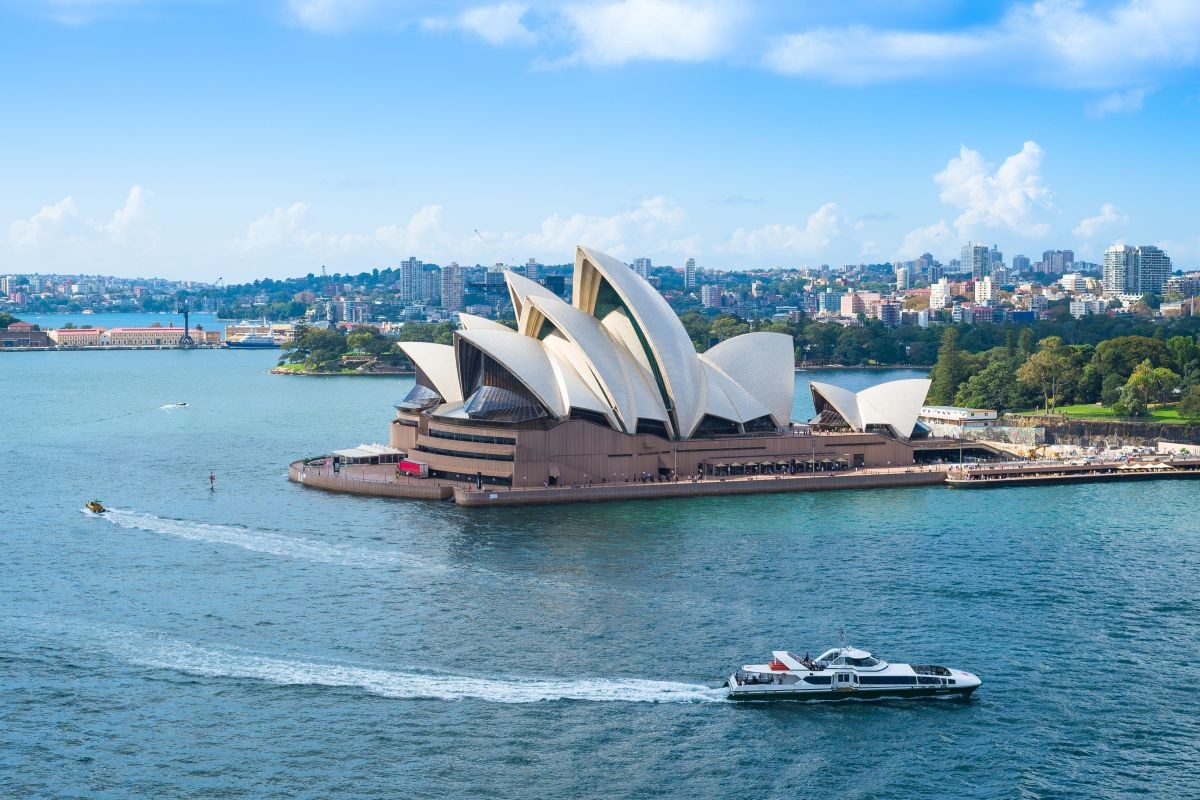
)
(842, 673)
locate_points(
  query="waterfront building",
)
(610, 388)
(956, 421)
(153, 336)
(23, 334)
(689, 274)
(78, 337)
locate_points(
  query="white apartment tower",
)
(1120, 266)
(452, 287)
(642, 267)
(985, 290)
(710, 296)
(411, 280)
(689, 274)
(533, 270)
(903, 278)
(977, 259)
(939, 295)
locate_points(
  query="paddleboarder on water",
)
(212, 482)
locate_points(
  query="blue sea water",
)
(265, 640)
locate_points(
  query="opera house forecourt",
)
(607, 398)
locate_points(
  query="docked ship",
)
(842, 673)
(253, 341)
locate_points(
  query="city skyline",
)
(206, 140)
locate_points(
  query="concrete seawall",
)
(415, 490)
(475, 498)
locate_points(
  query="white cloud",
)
(1005, 199)
(61, 224)
(1126, 102)
(819, 230)
(1108, 216)
(498, 25)
(650, 30)
(936, 238)
(649, 227)
(44, 226)
(330, 16)
(1050, 42)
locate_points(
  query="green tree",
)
(950, 370)
(1189, 404)
(994, 387)
(1051, 370)
(1146, 385)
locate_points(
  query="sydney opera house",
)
(609, 389)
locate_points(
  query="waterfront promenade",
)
(379, 480)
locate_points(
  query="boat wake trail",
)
(192, 660)
(262, 541)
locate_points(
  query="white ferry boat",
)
(842, 673)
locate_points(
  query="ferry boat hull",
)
(844, 673)
(244, 345)
(769, 693)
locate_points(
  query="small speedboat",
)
(842, 673)
(95, 506)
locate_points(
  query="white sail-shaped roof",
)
(728, 400)
(471, 322)
(894, 404)
(671, 349)
(627, 385)
(525, 358)
(764, 364)
(520, 287)
(438, 364)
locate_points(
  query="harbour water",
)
(262, 640)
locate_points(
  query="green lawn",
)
(1168, 413)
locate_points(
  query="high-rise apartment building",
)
(1153, 269)
(985, 290)
(976, 259)
(452, 287)
(710, 296)
(431, 289)
(903, 278)
(1119, 268)
(939, 295)
(689, 274)
(642, 267)
(1020, 264)
(410, 279)
(533, 270)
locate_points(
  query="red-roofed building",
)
(78, 337)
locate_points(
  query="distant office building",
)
(642, 267)
(533, 270)
(1020, 265)
(410, 279)
(903, 278)
(829, 302)
(497, 268)
(1057, 262)
(452, 287)
(1073, 282)
(1187, 284)
(995, 257)
(431, 291)
(689, 274)
(976, 259)
(710, 296)
(556, 284)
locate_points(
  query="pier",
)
(994, 476)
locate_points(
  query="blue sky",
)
(207, 138)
